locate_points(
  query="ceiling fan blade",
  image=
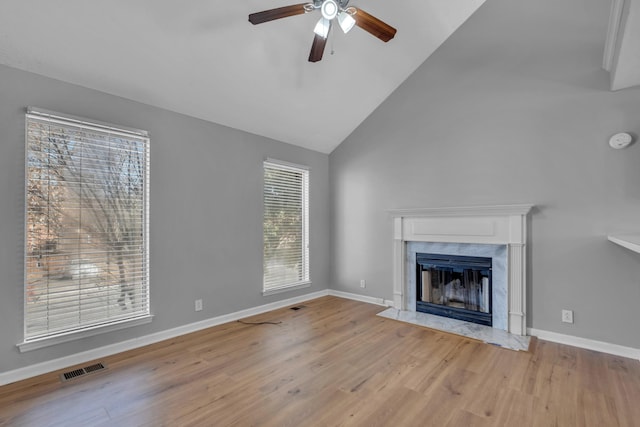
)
(278, 13)
(373, 25)
(317, 48)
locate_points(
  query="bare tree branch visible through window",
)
(86, 216)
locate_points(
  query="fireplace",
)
(454, 286)
(500, 227)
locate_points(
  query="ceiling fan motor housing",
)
(342, 4)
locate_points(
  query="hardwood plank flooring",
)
(334, 363)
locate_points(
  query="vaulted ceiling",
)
(204, 59)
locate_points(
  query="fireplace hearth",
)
(454, 286)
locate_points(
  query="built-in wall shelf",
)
(630, 241)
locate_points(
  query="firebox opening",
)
(454, 286)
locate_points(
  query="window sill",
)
(73, 336)
(287, 288)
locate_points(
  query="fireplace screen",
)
(454, 286)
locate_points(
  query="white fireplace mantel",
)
(501, 224)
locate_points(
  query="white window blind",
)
(86, 251)
(286, 225)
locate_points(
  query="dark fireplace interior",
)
(454, 286)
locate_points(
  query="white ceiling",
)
(204, 59)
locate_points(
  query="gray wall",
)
(513, 108)
(206, 211)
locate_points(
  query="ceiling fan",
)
(347, 17)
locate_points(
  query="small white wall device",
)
(620, 140)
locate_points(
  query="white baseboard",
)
(604, 347)
(109, 350)
(75, 359)
(361, 298)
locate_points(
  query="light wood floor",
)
(334, 362)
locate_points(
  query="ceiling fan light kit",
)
(329, 9)
(347, 17)
(322, 27)
(346, 21)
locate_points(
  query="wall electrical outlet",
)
(198, 305)
(567, 316)
(363, 283)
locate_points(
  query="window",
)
(86, 251)
(286, 226)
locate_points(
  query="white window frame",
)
(303, 279)
(141, 314)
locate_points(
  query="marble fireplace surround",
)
(491, 225)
